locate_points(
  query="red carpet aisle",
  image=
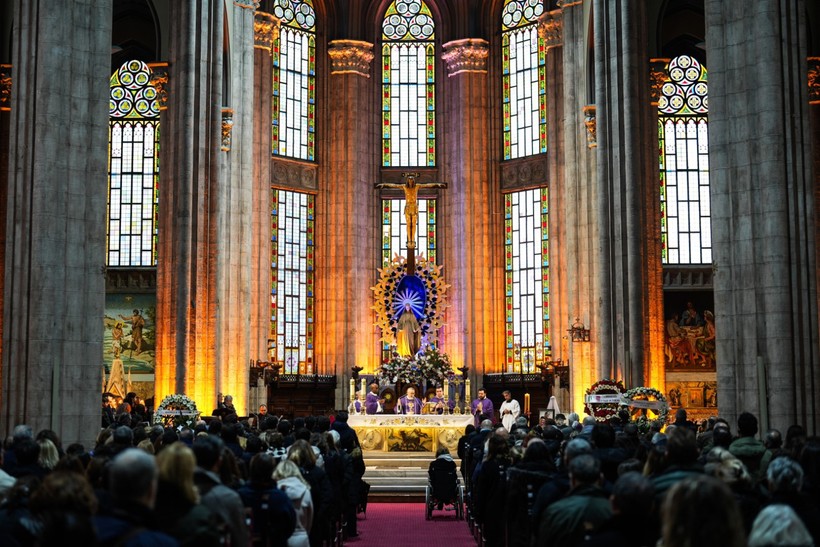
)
(398, 524)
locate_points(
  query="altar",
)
(409, 432)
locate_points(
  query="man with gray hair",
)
(785, 480)
(582, 511)
(556, 488)
(20, 433)
(129, 522)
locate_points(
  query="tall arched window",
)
(684, 164)
(292, 270)
(526, 279)
(294, 80)
(394, 229)
(524, 57)
(408, 85)
(133, 167)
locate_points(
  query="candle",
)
(363, 390)
(526, 403)
(352, 389)
(446, 389)
(467, 389)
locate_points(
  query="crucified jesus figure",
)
(411, 209)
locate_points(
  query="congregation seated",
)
(524, 488)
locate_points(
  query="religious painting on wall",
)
(699, 398)
(689, 331)
(129, 343)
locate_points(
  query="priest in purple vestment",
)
(409, 403)
(439, 403)
(482, 405)
(356, 406)
(372, 403)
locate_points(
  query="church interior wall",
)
(343, 176)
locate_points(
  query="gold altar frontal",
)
(409, 432)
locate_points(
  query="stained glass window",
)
(526, 279)
(133, 167)
(292, 267)
(686, 230)
(408, 85)
(294, 80)
(394, 229)
(523, 56)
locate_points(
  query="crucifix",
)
(411, 210)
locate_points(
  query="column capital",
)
(550, 28)
(5, 87)
(246, 4)
(657, 77)
(467, 55)
(265, 30)
(350, 57)
(589, 122)
(813, 79)
(159, 79)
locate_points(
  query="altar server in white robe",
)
(510, 410)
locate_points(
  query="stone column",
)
(5, 137)
(550, 30)
(577, 207)
(346, 207)
(54, 289)
(763, 211)
(234, 192)
(472, 213)
(266, 31)
(190, 147)
(628, 255)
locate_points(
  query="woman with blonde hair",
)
(178, 511)
(723, 465)
(289, 480)
(49, 457)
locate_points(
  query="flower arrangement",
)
(430, 313)
(176, 411)
(430, 364)
(603, 412)
(650, 395)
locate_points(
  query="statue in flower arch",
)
(399, 295)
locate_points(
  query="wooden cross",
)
(411, 210)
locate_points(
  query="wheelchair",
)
(444, 488)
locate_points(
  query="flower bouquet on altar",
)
(429, 364)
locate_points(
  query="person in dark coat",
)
(489, 491)
(131, 522)
(321, 490)
(273, 516)
(178, 509)
(631, 502)
(348, 440)
(584, 509)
